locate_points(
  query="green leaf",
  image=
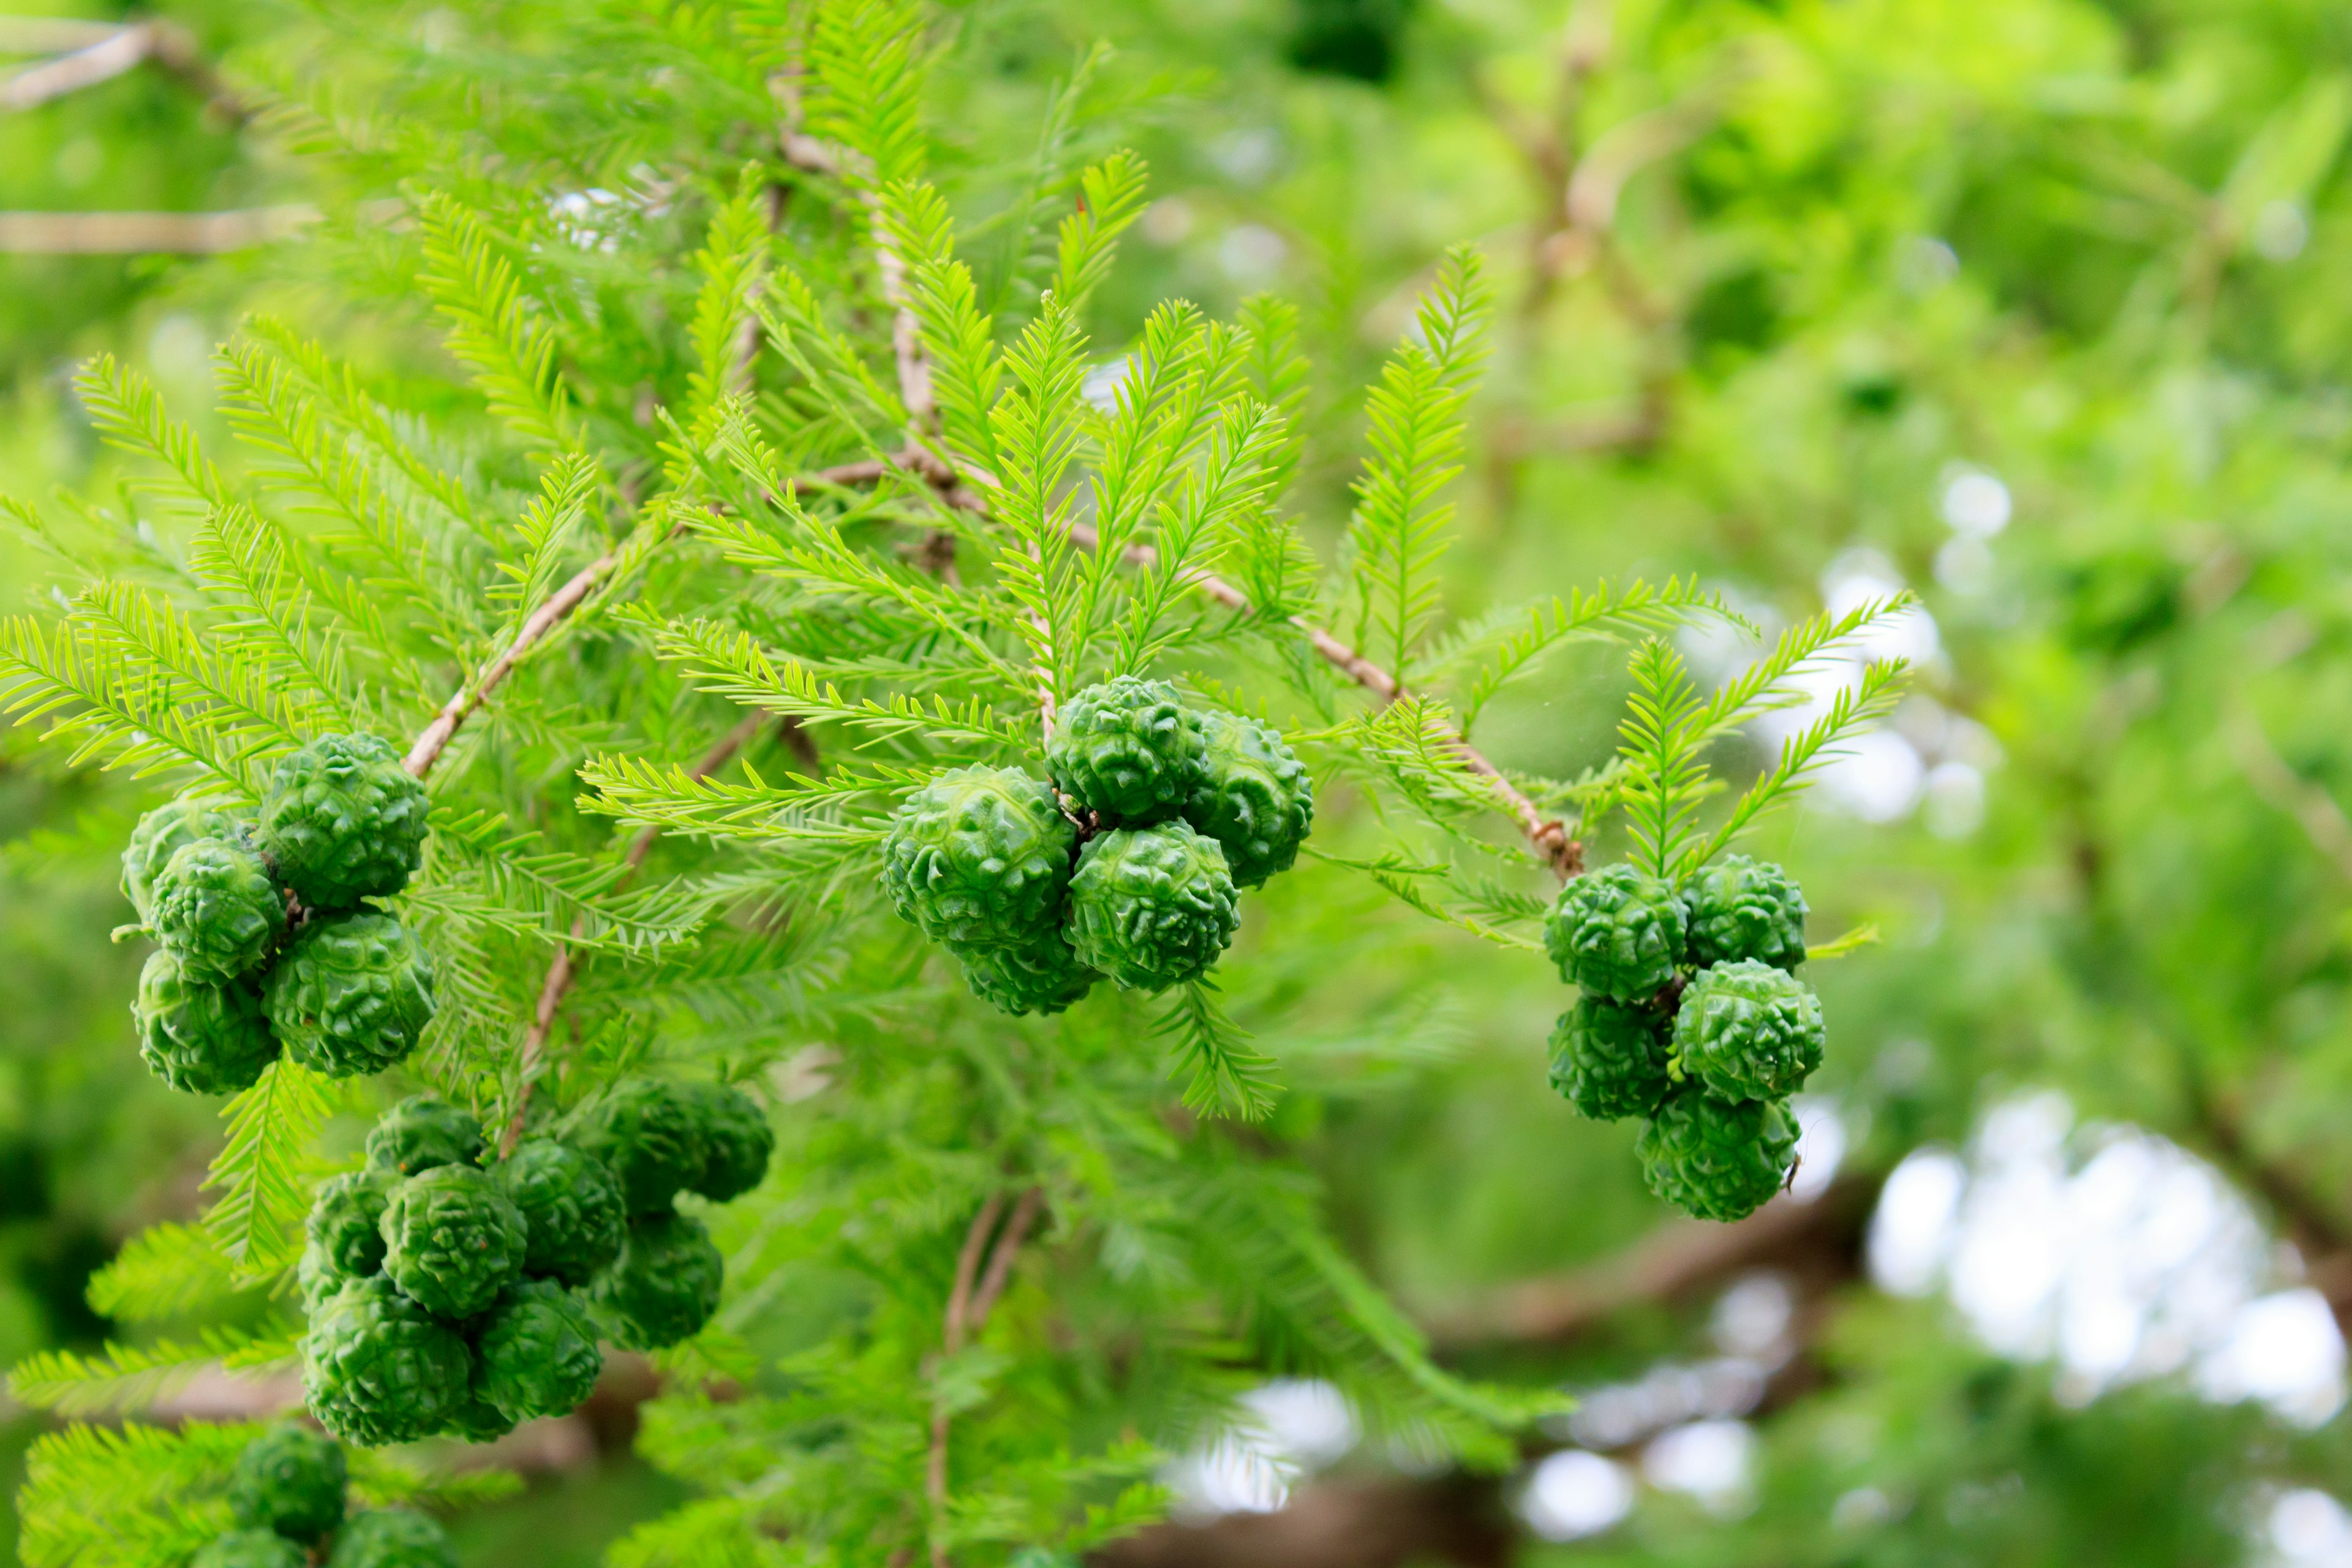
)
(1230, 1075)
(257, 1216)
(1415, 414)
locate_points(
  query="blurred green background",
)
(2035, 306)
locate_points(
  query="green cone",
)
(1151, 907)
(343, 821)
(381, 1369)
(1616, 933)
(215, 907)
(1253, 797)
(1714, 1160)
(1749, 1031)
(979, 858)
(351, 995)
(1128, 749)
(200, 1036)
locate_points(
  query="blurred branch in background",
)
(89, 53)
(130, 234)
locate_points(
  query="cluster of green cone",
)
(1690, 1016)
(449, 1296)
(265, 942)
(287, 1494)
(1126, 866)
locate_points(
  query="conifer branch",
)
(1548, 835)
(561, 973)
(436, 737)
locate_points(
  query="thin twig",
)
(96, 59)
(436, 736)
(1008, 1248)
(2312, 806)
(935, 1470)
(149, 233)
(1549, 834)
(561, 973)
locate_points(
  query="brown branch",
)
(96, 59)
(1548, 835)
(561, 973)
(436, 736)
(149, 233)
(1008, 1248)
(1672, 1263)
(959, 1313)
(2314, 809)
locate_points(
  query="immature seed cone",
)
(1749, 1032)
(663, 1285)
(536, 1355)
(1609, 1059)
(200, 1036)
(1714, 1160)
(393, 1538)
(475, 1419)
(1253, 797)
(1042, 977)
(381, 1369)
(162, 833)
(1151, 907)
(1739, 907)
(346, 1215)
(351, 993)
(737, 1138)
(289, 1480)
(1128, 749)
(452, 1239)
(249, 1549)
(422, 1131)
(651, 1135)
(571, 1205)
(979, 858)
(344, 821)
(1616, 933)
(215, 908)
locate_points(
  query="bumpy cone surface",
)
(1739, 907)
(1749, 1031)
(214, 908)
(979, 858)
(346, 1215)
(571, 1205)
(1714, 1160)
(249, 1549)
(1128, 748)
(351, 995)
(536, 1355)
(737, 1140)
(393, 1538)
(290, 1480)
(1253, 798)
(381, 1369)
(452, 1239)
(1151, 907)
(198, 1036)
(663, 1285)
(1043, 977)
(1610, 1060)
(475, 1419)
(343, 821)
(422, 1131)
(651, 1135)
(1616, 933)
(162, 833)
